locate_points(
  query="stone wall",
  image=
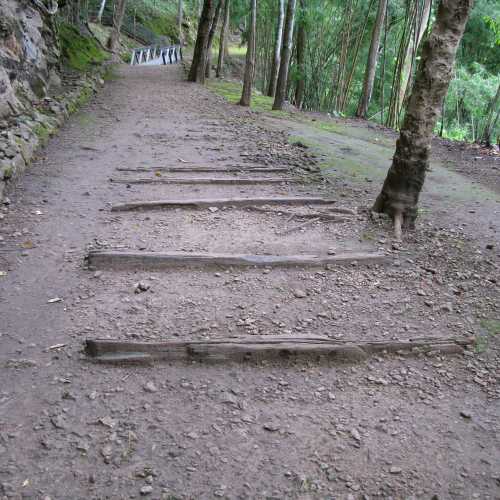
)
(33, 101)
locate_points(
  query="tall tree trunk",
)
(371, 64)
(246, 95)
(197, 69)
(490, 118)
(286, 52)
(422, 20)
(101, 11)
(301, 58)
(404, 181)
(223, 39)
(211, 34)
(275, 67)
(118, 15)
(180, 9)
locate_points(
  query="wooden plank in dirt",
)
(111, 259)
(221, 202)
(271, 170)
(265, 347)
(208, 180)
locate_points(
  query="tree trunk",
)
(490, 118)
(101, 11)
(197, 69)
(277, 51)
(180, 8)
(411, 51)
(371, 64)
(223, 39)
(246, 95)
(211, 34)
(301, 53)
(404, 181)
(286, 52)
(118, 15)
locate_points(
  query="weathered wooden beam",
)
(236, 170)
(208, 180)
(264, 347)
(110, 259)
(221, 202)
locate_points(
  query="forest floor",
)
(392, 426)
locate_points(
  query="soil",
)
(393, 426)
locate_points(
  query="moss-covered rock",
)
(79, 52)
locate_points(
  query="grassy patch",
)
(79, 52)
(490, 328)
(237, 50)
(232, 92)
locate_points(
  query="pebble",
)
(395, 470)
(150, 387)
(299, 294)
(465, 414)
(146, 490)
(141, 287)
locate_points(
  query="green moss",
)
(490, 328)
(8, 173)
(42, 132)
(79, 52)
(232, 92)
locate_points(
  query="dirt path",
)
(392, 427)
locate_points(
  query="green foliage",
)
(465, 107)
(79, 52)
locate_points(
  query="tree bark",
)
(271, 91)
(246, 95)
(223, 39)
(490, 118)
(180, 9)
(211, 34)
(101, 11)
(118, 15)
(286, 52)
(301, 53)
(371, 64)
(404, 181)
(197, 69)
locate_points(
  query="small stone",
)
(271, 427)
(465, 414)
(331, 251)
(299, 294)
(355, 434)
(146, 490)
(141, 287)
(447, 307)
(150, 387)
(213, 209)
(395, 470)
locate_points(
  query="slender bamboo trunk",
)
(223, 39)
(101, 11)
(211, 34)
(197, 69)
(119, 14)
(421, 21)
(371, 65)
(301, 50)
(404, 181)
(490, 118)
(275, 66)
(180, 13)
(246, 95)
(286, 52)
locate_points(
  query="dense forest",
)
(347, 58)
